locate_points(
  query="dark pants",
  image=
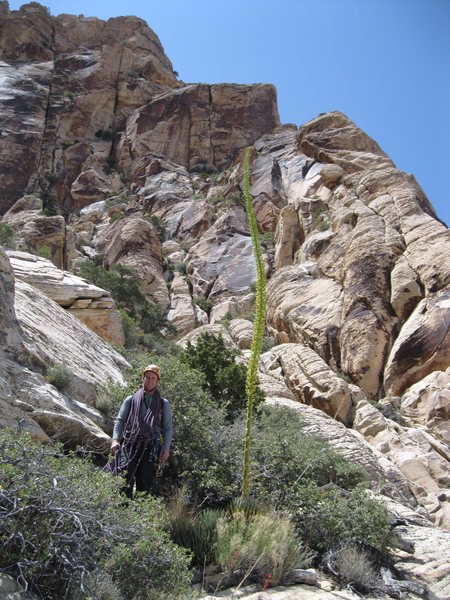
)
(141, 470)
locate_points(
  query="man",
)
(143, 418)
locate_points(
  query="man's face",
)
(150, 380)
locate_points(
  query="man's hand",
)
(163, 455)
(114, 446)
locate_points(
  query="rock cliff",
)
(106, 154)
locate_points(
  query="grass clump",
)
(59, 375)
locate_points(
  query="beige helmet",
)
(154, 369)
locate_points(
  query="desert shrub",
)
(7, 236)
(59, 375)
(204, 303)
(355, 569)
(224, 379)
(45, 252)
(197, 532)
(329, 520)
(64, 528)
(266, 543)
(283, 457)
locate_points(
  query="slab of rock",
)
(241, 331)
(134, 242)
(333, 138)
(89, 303)
(422, 346)
(222, 261)
(427, 404)
(312, 381)
(53, 336)
(10, 337)
(306, 308)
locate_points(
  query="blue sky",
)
(384, 63)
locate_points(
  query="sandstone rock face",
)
(39, 334)
(422, 346)
(10, 338)
(311, 380)
(202, 123)
(181, 312)
(222, 261)
(75, 79)
(333, 138)
(135, 243)
(89, 303)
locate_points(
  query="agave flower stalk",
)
(258, 330)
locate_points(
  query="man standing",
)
(143, 418)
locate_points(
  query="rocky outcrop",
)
(76, 79)
(134, 242)
(38, 335)
(222, 262)
(202, 124)
(89, 303)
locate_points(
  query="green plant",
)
(45, 252)
(59, 376)
(49, 202)
(331, 520)
(65, 528)
(224, 378)
(204, 303)
(265, 543)
(267, 239)
(7, 236)
(258, 329)
(197, 533)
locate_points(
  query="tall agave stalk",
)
(258, 330)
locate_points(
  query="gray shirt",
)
(166, 421)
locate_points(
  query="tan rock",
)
(288, 237)
(233, 306)
(135, 243)
(217, 330)
(105, 322)
(89, 303)
(312, 382)
(10, 336)
(241, 331)
(427, 404)
(306, 308)
(331, 174)
(222, 261)
(34, 230)
(405, 289)
(88, 188)
(181, 313)
(422, 346)
(333, 138)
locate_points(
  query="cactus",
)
(258, 330)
